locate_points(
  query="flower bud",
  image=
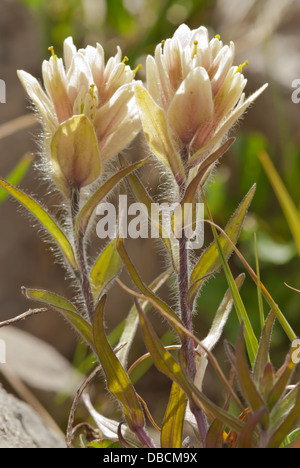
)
(75, 154)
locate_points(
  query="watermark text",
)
(2, 92)
(138, 221)
(2, 352)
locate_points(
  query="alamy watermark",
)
(296, 93)
(167, 220)
(296, 351)
(2, 92)
(2, 352)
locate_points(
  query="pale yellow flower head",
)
(83, 84)
(200, 92)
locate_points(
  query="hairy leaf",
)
(118, 381)
(287, 425)
(172, 427)
(157, 133)
(66, 308)
(87, 211)
(45, 219)
(142, 196)
(263, 349)
(165, 362)
(132, 319)
(245, 439)
(17, 174)
(210, 262)
(142, 287)
(105, 269)
(288, 206)
(246, 383)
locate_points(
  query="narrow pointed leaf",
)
(64, 307)
(166, 364)
(221, 317)
(172, 427)
(132, 319)
(246, 383)
(284, 406)
(287, 426)
(118, 381)
(281, 382)
(210, 262)
(44, 218)
(87, 211)
(250, 338)
(108, 427)
(263, 349)
(288, 206)
(17, 174)
(214, 437)
(192, 189)
(142, 287)
(247, 435)
(105, 269)
(142, 196)
(156, 131)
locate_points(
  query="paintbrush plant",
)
(90, 112)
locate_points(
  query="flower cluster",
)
(83, 85)
(192, 98)
(199, 91)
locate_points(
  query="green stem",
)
(81, 258)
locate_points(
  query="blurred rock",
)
(35, 362)
(21, 427)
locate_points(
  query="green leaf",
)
(45, 219)
(66, 308)
(282, 381)
(87, 211)
(287, 426)
(17, 174)
(259, 294)
(166, 364)
(246, 383)
(210, 261)
(143, 288)
(105, 269)
(263, 349)
(192, 188)
(292, 437)
(288, 207)
(104, 444)
(132, 319)
(172, 427)
(221, 317)
(118, 381)
(142, 196)
(157, 133)
(250, 338)
(245, 439)
(214, 436)
(163, 360)
(283, 407)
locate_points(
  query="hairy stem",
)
(85, 281)
(81, 258)
(186, 312)
(187, 318)
(144, 438)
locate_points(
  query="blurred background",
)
(266, 33)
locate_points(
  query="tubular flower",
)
(198, 93)
(82, 84)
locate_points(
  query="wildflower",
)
(197, 92)
(82, 84)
